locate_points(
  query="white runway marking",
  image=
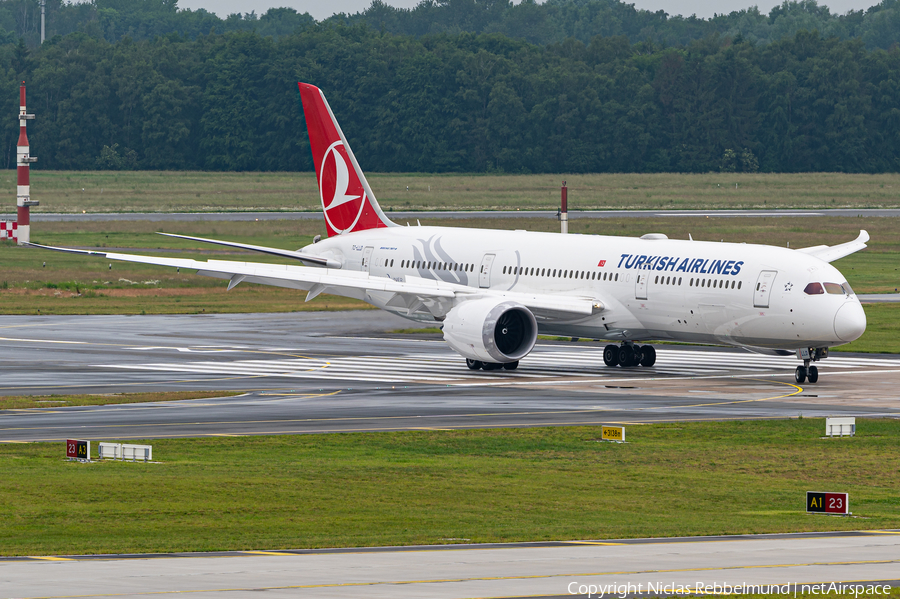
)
(545, 362)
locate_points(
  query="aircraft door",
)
(763, 288)
(640, 285)
(367, 258)
(484, 275)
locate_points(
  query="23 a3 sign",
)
(79, 450)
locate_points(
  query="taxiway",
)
(317, 372)
(549, 570)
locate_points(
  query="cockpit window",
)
(846, 288)
(834, 289)
(814, 289)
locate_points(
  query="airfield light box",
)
(78, 450)
(827, 503)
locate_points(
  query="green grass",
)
(152, 191)
(44, 282)
(440, 486)
(18, 402)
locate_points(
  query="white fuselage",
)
(693, 291)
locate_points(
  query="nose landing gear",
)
(629, 354)
(809, 372)
(803, 373)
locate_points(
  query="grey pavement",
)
(875, 298)
(317, 372)
(534, 570)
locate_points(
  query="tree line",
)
(458, 102)
(552, 21)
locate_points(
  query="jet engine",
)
(491, 330)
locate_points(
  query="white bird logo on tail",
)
(342, 179)
(337, 220)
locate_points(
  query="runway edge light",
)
(818, 502)
(612, 433)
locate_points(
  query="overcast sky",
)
(322, 9)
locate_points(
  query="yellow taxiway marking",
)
(884, 532)
(460, 427)
(392, 418)
(167, 403)
(50, 558)
(270, 553)
(49, 341)
(143, 384)
(592, 543)
(797, 388)
(469, 579)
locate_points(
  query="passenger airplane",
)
(494, 291)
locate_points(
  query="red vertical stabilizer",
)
(347, 199)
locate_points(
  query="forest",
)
(552, 21)
(115, 87)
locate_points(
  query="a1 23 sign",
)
(827, 503)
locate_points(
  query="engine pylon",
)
(23, 177)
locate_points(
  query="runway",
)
(317, 372)
(649, 567)
(49, 217)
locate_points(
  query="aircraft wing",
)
(411, 294)
(830, 253)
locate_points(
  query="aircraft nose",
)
(849, 322)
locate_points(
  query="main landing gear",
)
(629, 354)
(479, 365)
(809, 372)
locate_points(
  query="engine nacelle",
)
(491, 330)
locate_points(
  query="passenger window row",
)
(667, 280)
(527, 271)
(714, 283)
(433, 265)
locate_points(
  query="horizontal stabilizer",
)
(309, 258)
(830, 253)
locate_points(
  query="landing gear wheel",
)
(813, 375)
(648, 356)
(511, 365)
(473, 364)
(491, 366)
(611, 355)
(625, 355)
(800, 374)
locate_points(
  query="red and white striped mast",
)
(23, 185)
(564, 209)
